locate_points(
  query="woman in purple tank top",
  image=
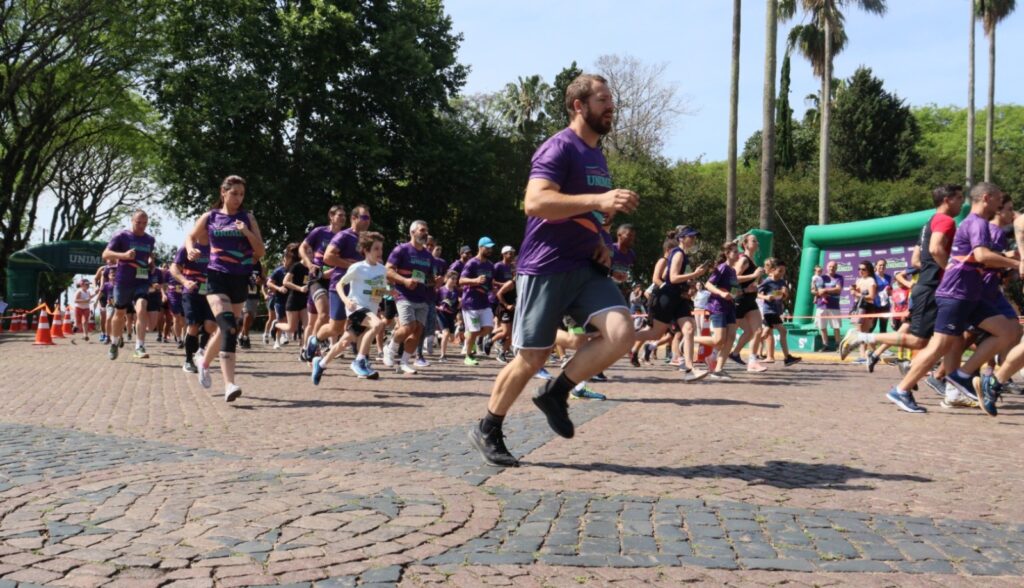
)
(235, 245)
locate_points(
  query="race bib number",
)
(203, 289)
(736, 291)
(142, 273)
(419, 276)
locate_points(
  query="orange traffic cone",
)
(15, 323)
(43, 336)
(704, 351)
(69, 325)
(26, 322)
(57, 328)
(22, 323)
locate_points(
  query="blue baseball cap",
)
(485, 242)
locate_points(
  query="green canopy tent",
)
(63, 257)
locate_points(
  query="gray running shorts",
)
(542, 302)
(412, 312)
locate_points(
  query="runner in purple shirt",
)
(478, 283)
(563, 266)
(504, 271)
(192, 275)
(341, 252)
(312, 252)
(623, 255)
(235, 246)
(131, 250)
(960, 305)
(724, 287)
(410, 266)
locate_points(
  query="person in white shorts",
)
(477, 282)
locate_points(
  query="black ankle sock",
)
(560, 386)
(204, 338)
(491, 422)
(191, 346)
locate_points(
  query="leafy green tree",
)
(554, 106)
(523, 106)
(874, 132)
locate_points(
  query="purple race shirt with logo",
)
(347, 243)
(622, 264)
(134, 272)
(724, 278)
(230, 251)
(551, 247)
(962, 280)
(897, 257)
(476, 297)
(413, 263)
(992, 281)
(318, 239)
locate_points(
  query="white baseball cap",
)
(507, 249)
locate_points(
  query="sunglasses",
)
(364, 217)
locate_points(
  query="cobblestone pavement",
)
(127, 473)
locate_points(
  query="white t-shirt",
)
(82, 299)
(367, 284)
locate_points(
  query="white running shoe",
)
(232, 392)
(407, 369)
(204, 376)
(420, 363)
(755, 366)
(695, 375)
(389, 356)
(277, 344)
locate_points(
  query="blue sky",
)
(919, 48)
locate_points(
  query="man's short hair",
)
(982, 188)
(940, 194)
(415, 225)
(581, 89)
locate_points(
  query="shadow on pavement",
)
(697, 402)
(315, 403)
(779, 474)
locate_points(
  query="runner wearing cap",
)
(476, 280)
(504, 273)
(410, 267)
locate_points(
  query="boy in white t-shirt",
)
(367, 285)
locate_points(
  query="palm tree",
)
(991, 13)
(522, 104)
(734, 93)
(970, 95)
(820, 41)
(774, 11)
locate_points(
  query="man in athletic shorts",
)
(959, 303)
(933, 248)
(563, 269)
(410, 267)
(342, 252)
(312, 254)
(132, 250)
(826, 290)
(433, 321)
(477, 283)
(198, 316)
(504, 272)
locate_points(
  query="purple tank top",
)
(230, 251)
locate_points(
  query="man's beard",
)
(597, 124)
(421, 240)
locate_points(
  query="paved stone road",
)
(126, 473)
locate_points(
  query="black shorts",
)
(923, 311)
(746, 303)
(772, 320)
(154, 302)
(665, 303)
(506, 316)
(684, 309)
(103, 301)
(234, 286)
(390, 309)
(295, 302)
(447, 321)
(355, 322)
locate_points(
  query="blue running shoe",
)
(905, 401)
(937, 385)
(586, 393)
(964, 385)
(318, 371)
(311, 347)
(989, 389)
(544, 374)
(359, 368)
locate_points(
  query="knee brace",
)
(228, 331)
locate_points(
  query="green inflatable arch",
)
(891, 238)
(64, 257)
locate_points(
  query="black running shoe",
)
(634, 358)
(791, 359)
(872, 362)
(556, 408)
(492, 447)
(189, 367)
(600, 377)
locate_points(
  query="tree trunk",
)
(970, 99)
(734, 92)
(990, 114)
(826, 111)
(768, 116)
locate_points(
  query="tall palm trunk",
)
(826, 111)
(990, 114)
(768, 116)
(970, 97)
(734, 92)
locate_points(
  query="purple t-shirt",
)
(230, 251)
(622, 263)
(132, 273)
(476, 297)
(108, 278)
(194, 270)
(347, 242)
(830, 302)
(962, 280)
(415, 263)
(448, 300)
(318, 239)
(723, 277)
(992, 281)
(551, 247)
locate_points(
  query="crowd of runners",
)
(570, 295)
